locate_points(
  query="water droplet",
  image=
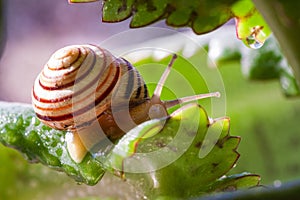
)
(252, 42)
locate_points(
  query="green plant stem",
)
(283, 17)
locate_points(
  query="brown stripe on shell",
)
(77, 92)
(146, 94)
(84, 109)
(71, 83)
(65, 98)
(139, 88)
(53, 79)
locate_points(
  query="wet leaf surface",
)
(20, 129)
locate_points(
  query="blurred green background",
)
(259, 113)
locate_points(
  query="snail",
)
(84, 87)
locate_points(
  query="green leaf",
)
(251, 27)
(148, 12)
(116, 10)
(170, 157)
(201, 15)
(20, 129)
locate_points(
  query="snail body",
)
(84, 87)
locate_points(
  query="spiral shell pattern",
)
(77, 84)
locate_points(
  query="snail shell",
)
(78, 81)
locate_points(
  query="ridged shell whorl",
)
(77, 83)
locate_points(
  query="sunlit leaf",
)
(178, 164)
(250, 25)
